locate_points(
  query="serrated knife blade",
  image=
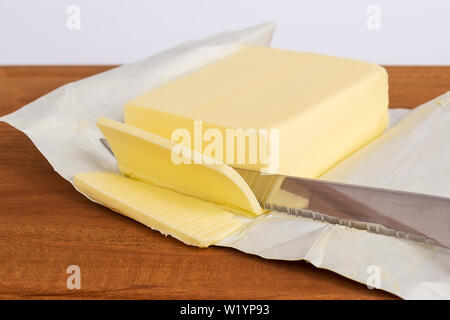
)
(406, 215)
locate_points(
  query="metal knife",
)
(406, 215)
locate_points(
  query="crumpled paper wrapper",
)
(412, 155)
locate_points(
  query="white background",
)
(112, 32)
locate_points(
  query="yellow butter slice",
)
(190, 220)
(324, 107)
(148, 157)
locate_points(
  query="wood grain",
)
(45, 225)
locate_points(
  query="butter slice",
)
(324, 107)
(190, 220)
(147, 157)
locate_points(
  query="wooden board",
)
(46, 226)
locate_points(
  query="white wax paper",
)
(62, 126)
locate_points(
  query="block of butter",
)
(324, 108)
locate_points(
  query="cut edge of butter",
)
(147, 157)
(190, 220)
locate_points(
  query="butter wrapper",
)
(62, 125)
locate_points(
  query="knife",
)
(401, 214)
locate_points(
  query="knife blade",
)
(405, 215)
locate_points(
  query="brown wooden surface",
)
(45, 225)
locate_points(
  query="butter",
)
(147, 157)
(324, 107)
(190, 220)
